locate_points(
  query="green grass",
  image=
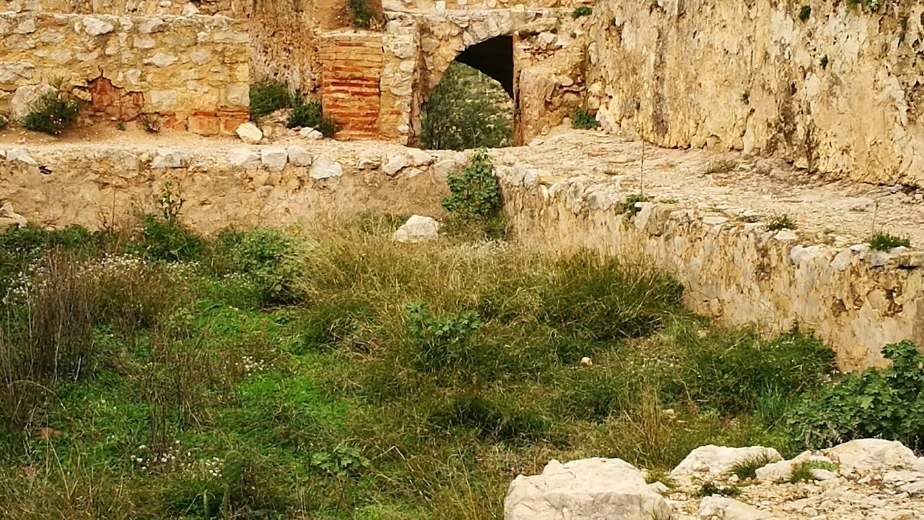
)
(802, 472)
(336, 374)
(888, 241)
(747, 468)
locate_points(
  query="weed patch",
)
(887, 242)
(581, 119)
(310, 114)
(53, 113)
(802, 472)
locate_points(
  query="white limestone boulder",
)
(298, 156)
(711, 462)
(25, 97)
(324, 168)
(169, 158)
(587, 489)
(418, 229)
(310, 133)
(249, 133)
(274, 159)
(395, 164)
(243, 157)
(871, 456)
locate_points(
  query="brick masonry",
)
(350, 77)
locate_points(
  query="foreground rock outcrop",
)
(584, 489)
(868, 479)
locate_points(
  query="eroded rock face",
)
(821, 91)
(584, 490)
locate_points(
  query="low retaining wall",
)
(223, 186)
(855, 300)
(193, 70)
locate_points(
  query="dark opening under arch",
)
(494, 57)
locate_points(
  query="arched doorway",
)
(473, 104)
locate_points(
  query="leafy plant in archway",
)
(467, 109)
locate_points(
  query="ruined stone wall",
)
(191, 70)
(854, 299)
(440, 5)
(839, 92)
(223, 185)
(229, 8)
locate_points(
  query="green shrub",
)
(163, 236)
(4, 121)
(53, 113)
(268, 258)
(581, 119)
(877, 402)
(310, 114)
(805, 12)
(886, 241)
(363, 15)
(168, 240)
(150, 123)
(446, 343)
(581, 11)
(473, 191)
(267, 97)
(466, 110)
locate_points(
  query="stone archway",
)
(494, 57)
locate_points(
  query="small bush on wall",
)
(53, 113)
(310, 114)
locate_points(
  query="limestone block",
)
(584, 490)
(395, 164)
(865, 456)
(168, 158)
(310, 133)
(418, 229)
(710, 462)
(244, 157)
(274, 159)
(298, 156)
(324, 168)
(249, 133)
(25, 97)
(95, 26)
(20, 155)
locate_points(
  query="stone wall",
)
(854, 299)
(839, 92)
(223, 184)
(440, 5)
(229, 8)
(192, 70)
